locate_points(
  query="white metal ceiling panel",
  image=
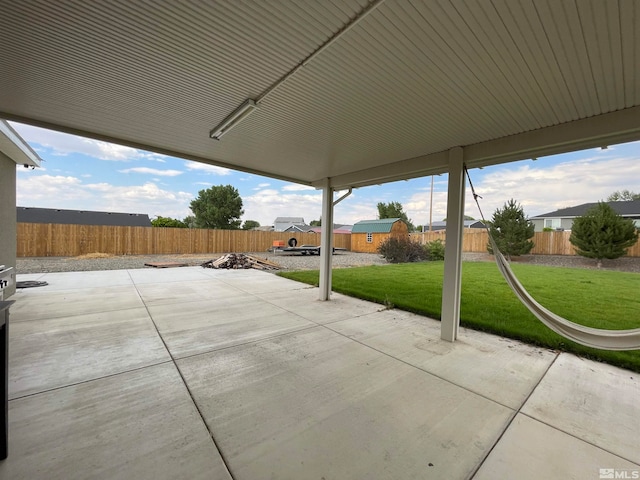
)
(344, 87)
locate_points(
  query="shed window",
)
(369, 237)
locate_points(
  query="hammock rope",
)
(590, 337)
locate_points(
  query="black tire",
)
(292, 242)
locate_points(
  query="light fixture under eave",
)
(234, 119)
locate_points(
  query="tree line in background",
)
(600, 233)
(216, 208)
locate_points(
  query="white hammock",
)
(590, 337)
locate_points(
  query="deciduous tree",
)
(168, 222)
(394, 210)
(250, 224)
(623, 196)
(218, 207)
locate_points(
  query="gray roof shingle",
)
(625, 209)
(81, 217)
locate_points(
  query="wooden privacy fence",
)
(545, 243)
(57, 240)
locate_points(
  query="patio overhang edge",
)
(602, 130)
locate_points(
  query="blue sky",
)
(84, 174)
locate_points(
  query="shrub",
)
(402, 250)
(435, 250)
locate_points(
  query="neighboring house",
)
(563, 219)
(281, 224)
(81, 217)
(299, 228)
(436, 226)
(337, 228)
(367, 235)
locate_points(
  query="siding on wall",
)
(7, 215)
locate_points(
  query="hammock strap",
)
(590, 337)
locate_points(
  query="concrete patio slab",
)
(198, 327)
(171, 275)
(290, 387)
(73, 280)
(186, 292)
(314, 404)
(477, 361)
(306, 304)
(139, 425)
(47, 304)
(47, 354)
(595, 402)
(256, 282)
(535, 450)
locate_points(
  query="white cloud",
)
(62, 144)
(206, 168)
(67, 192)
(267, 204)
(152, 171)
(539, 189)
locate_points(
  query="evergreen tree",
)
(602, 233)
(511, 230)
(218, 207)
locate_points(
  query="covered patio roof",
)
(354, 91)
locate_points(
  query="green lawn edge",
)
(596, 298)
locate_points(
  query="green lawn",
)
(602, 299)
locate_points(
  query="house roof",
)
(625, 209)
(291, 220)
(383, 225)
(441, 225)
(355, 91)
(298, 228)
(81, 217)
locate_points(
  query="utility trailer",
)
(279, 246)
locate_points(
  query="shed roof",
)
(360, 92)
(625, 209)
(81, 217)
(383, 225)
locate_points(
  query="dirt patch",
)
(89, 256)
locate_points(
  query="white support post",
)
(451, 286)
(326, 240)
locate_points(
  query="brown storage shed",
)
(367, 235)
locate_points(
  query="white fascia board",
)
(14, 147)
(599, 131)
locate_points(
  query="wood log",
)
(240, 261)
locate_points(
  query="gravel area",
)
(289, 261)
